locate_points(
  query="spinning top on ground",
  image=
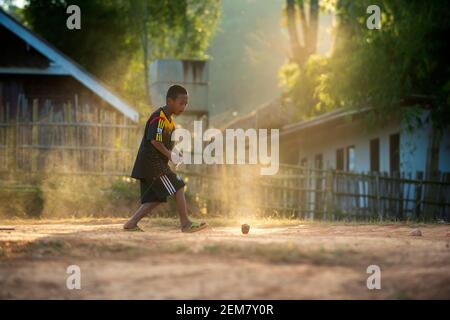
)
(416, 233)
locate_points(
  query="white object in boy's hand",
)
(175, 158)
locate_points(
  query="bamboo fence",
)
(69, 137)
(319, 194)
(75, 138)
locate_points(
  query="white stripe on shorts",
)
(170, 184)
(165, 185)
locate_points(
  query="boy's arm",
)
(161, 148)
(154, 133)
(173, 155)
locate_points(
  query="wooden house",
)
(54, 115)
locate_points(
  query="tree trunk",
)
(309, 26)
(140, 16)
(292, 30)
(313, 26)
(145, 51)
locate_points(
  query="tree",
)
(119, 38)
(302, 75)
(406, 62)
(309, 28)
(103, 45)
(10, 7)
(178, 29)
(403, 63)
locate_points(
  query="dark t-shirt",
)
(151, 163)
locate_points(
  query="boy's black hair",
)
(174, 91)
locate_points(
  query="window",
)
(394, 152)
(340, 159)
(351, 164)
(318, 161)
(375, 155)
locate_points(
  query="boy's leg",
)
(186, 224)
(182, 208)
(140, 213)
(174, 184)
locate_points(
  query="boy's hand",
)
(175, 158)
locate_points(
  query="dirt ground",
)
(293, 260)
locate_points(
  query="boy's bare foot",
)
(191, 227)
(131, 226)
(135, 228)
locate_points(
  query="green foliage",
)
(305, 86)
(21, 201)
(104, 42)
(110, 42)
(62, 196)
(177, 29)
(124, 189)
(407, 57)
(199, 25)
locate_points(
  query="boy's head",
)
(176, 99)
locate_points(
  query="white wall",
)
(352, 134)
(414, 147)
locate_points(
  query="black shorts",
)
(160, 188)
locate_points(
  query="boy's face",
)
(179, 104)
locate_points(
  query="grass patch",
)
(35, 249)
(106, 249)
(401, 295)
(228, 222)
(264, 222)
(270, 222)
(178, 247)
(70, 220)
(45, 248)
(271, 253)
(283, 253)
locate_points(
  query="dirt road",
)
(293, 261)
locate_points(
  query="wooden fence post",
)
(377, 193)
(369, 194)
(329, 210)
(11, 143)
(101, 142)
(299, 184)
(35, 137)
(418, 194)
(445, 194)
(400, 195)
(430, 192)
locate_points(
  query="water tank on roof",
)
(191, 74)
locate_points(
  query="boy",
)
(151, 165)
